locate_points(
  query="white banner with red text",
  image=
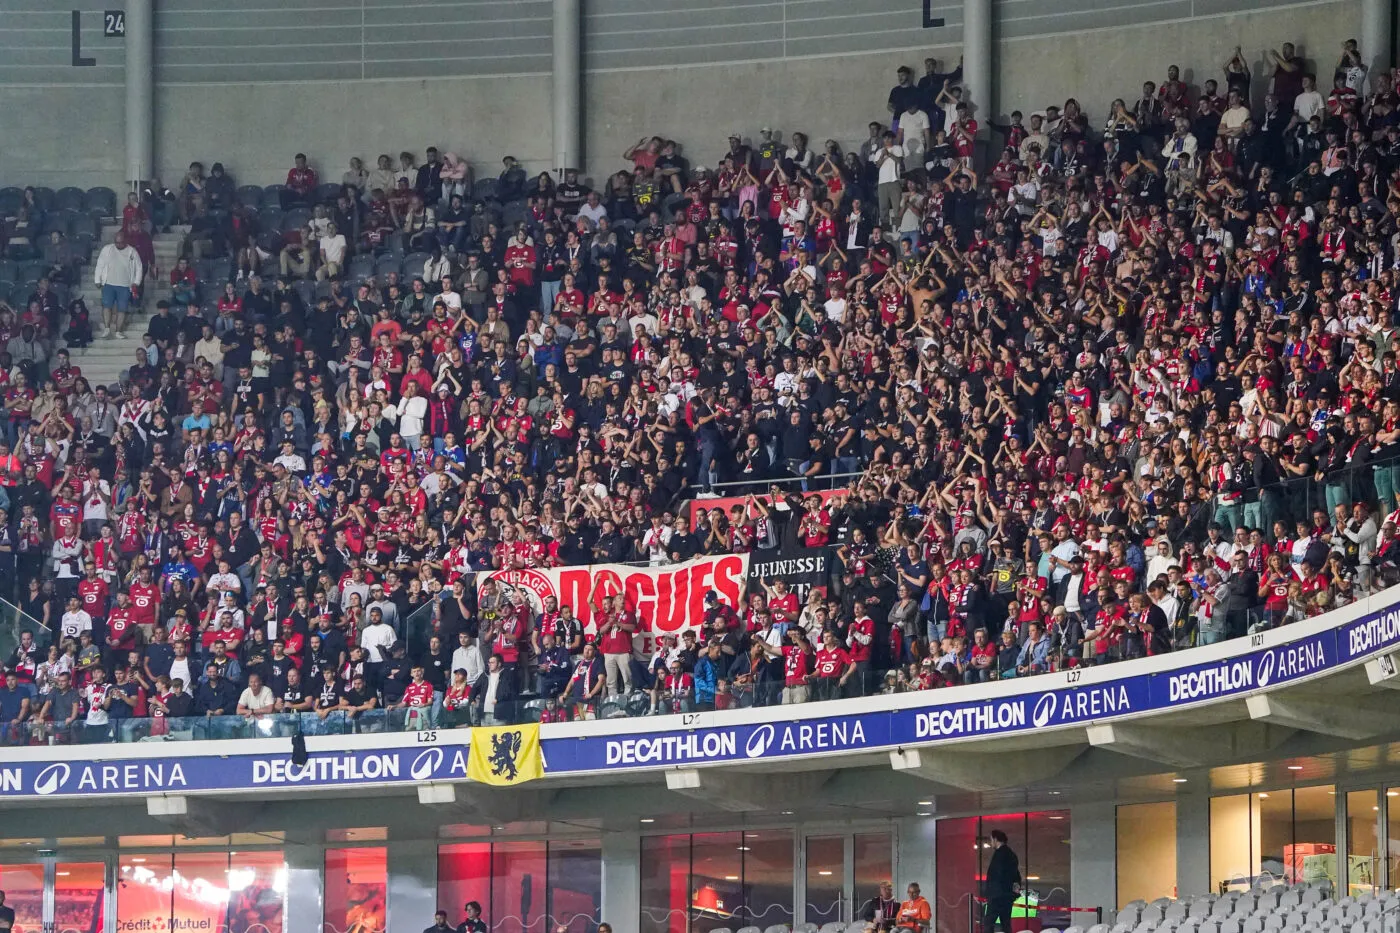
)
(667, 600)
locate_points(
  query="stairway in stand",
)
(103, 362)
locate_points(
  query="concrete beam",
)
(984, 770)
(191, 816)
(1355, 720)
(1187, 748)
(745, 791)
(1384, 671)
(486, 804)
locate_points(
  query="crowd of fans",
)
(1129, 387)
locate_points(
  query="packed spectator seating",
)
(1127, 388)
(1303, 906)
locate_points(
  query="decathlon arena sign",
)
(1063, 700)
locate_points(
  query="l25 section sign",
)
(667, 599)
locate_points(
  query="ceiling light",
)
(824, 873)
(731, 877)
(1054, 793)
(138, 860)
(925, 803)
(742, 848)
(1263, 796)
(1056, 817)
(1390, 793)
(1178, 780)
(1032, 877)
(923, 813)
(646, 819)
(63, 874)
(1295, 767)
(787, 813)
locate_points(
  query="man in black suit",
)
(1002, 884)
(494, 694)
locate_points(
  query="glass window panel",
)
(518, 900)
(1363, 842)
(575, 885)
(1273, 813)
(144, 883)
(356, 884)
(716, 889)
(1146, 851)
(957, 855)
(199, 891)
(464, 875)
(826, 873)
(768, 872)
(1234, 842)
(79, 891)
(257, 886)
(24, 894)
(145, 842)
(1045, 865)
(1392, 822)
(665, 884)
(1313, 853)
(874, 864)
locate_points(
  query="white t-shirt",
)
(889, 168)
(94, 694)
(914, 126)
(1307, 105)
(258, 702)
(74, 624)
(835, 309)
(376, 639)
(412, 413)
(334, 247)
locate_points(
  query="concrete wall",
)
(837, 97)
(337, 78)
(256, 129)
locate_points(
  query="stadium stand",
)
(1128, 388)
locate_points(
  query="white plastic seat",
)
(1099, 928)
(804, 928)
(1254, 924)
(1209, 925)
(833, 927)
(1176, 912)
(1072, 930)
(1229, 925)
(1131, 914)
(1200, 908)
(1152, 914)
(750, 929)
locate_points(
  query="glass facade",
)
(524, 887)
(1041, 841)
(1283, 835)
(198, 892)
(706, 881)
(24, 894)
(356, 890)
(79, 897)
(1146, 851)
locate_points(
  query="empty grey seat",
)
(777, 928)
(1201, 907)
(1229, 925)
(750, 929)
(834, 927)
(1131, 913)
(804, 928)
(1151, 914)
(1177, 912)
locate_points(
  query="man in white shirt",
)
(118, 271)
(593, 210)
(289, 459)
(1307, 104)
(377, 637)
(887, 163)
(914, 133)
(75, 621)
(256, 699)
(333, 247)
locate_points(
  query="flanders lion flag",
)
(505, 755)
